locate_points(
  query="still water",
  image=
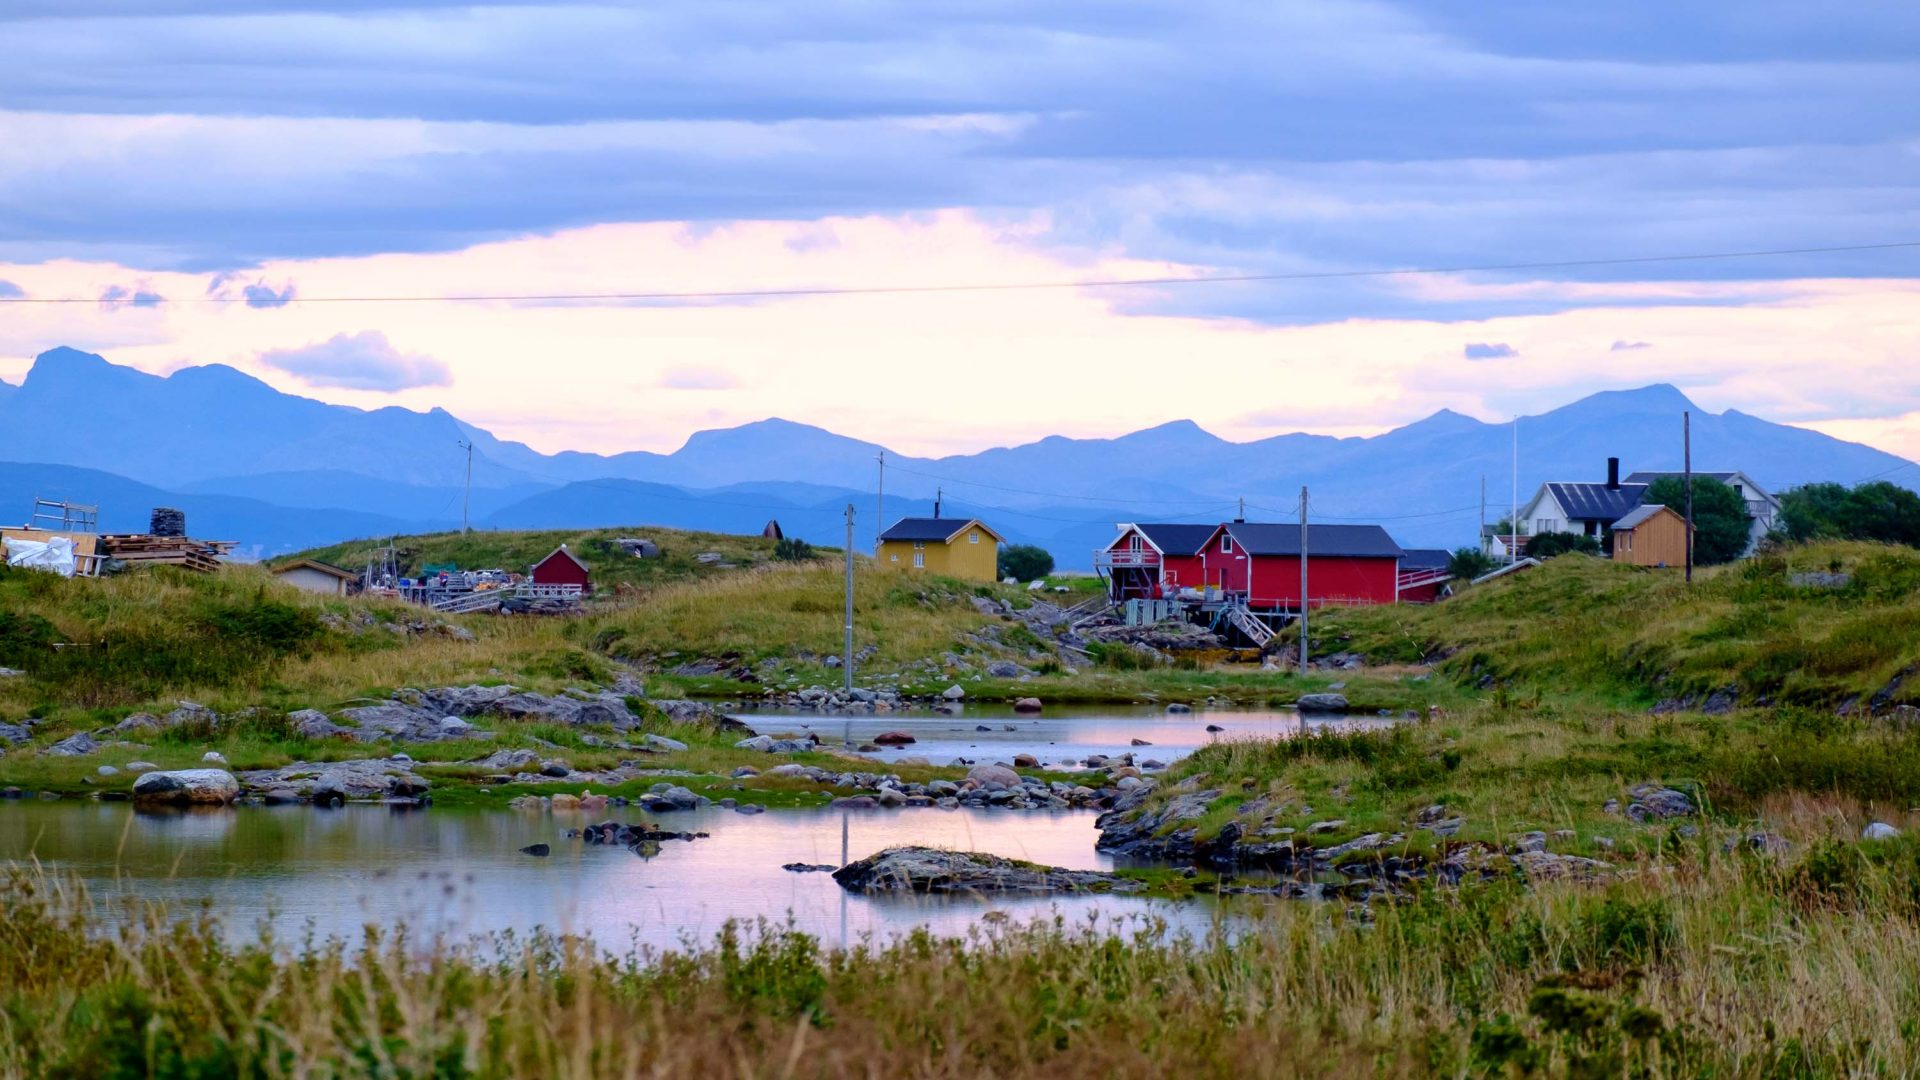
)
(459, 873)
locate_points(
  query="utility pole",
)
(846, 661)
(880, 503)
(1303, 579)
(1243, 509)
(1481, 537)
(1686, 451)
(1513, 525)
(939, 495)
(466, 498)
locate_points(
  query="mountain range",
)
(278, 472)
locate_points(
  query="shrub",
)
(792, 549)
(1548, 544)
(1721, 526)
(1025, 562)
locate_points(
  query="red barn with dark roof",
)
(1150, 560)
(561, 568)
(1346, 564)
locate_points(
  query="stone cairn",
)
(167, 521)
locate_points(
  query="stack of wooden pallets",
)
(201, 555)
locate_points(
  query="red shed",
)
(561, 568)
(1346, 564)
(1148, 561)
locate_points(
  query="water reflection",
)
(460, 872)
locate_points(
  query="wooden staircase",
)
(1257, 632)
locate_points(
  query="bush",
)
(792, 549)
(1469, 563)
(1026, 562)
(1721, 527)
(1881, 511)
(1548, 544)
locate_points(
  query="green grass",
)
(1592, 629)
(517, 550)
(1703, 965)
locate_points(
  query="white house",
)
(315, 576)
(1762, 506)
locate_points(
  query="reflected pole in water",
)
(843, 892)
(846, 658)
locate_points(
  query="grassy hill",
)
(1825, 625)
(517, 550)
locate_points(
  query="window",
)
(973, 538)
(1226, 543)
(919, 560)
(896, 558)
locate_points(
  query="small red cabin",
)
(1149, 561)
(561, 568)
(1346, 564)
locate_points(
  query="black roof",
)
(1645, 477)
(924, 528)
(1176, 539)
(1597, 502)
(1349, 541)
(1426, 558)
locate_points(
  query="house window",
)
(895, 558)
(920, 560)
(1226, 544)
(973, 538)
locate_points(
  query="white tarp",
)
(55, 555)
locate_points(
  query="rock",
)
(855, 802)
(1325, 703)
(1215, 728)
(661, 742)
(79, 744)
(1651, 802)
(890, 796)
(280, 796)
(1446, 827)
(1320, 827)
(555, 768)
(749, 808)
(1028, 705)
(894, 738)
(1879, 830)
(1545, 865)
(563, 802)
(107, 770)
(141, 766)
(762, 743)
(314, 724)
(1025, 761)
(809, 868)
(507, 759)
(1141, 742)
(537, 850)
(667, 798)
(140, 723)
(1005, 669)
(455, 726)
(954, 692)
(406, 786)
(215, 787)
(1533, 841)
(991, 775)
(930, 870)
(1179, 709)
(16, 733)
(213, 757)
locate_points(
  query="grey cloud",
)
(10, 291)
(1629, 346)
(262, 295)
(119, 294)
(363, 361)
(1498, 350)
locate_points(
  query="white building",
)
(1762, 506)
(315, 576)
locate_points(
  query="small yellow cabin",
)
(956, 547)
(1652, 535)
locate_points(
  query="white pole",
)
(846, 659)
(1513, 525)
(880, 504)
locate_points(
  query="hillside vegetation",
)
(518, 550)
(1826, 625)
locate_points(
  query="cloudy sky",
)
(256, 183)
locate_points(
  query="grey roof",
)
(1426, 558)
(1596, 502)
(1176, 539)
(1348, 541)
(927, 528)
(1648, 477)
(1639, 514)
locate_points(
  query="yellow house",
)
(956, 547)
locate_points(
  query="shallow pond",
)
(1056, 736)
(460, 872)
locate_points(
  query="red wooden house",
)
(1260, 565)
(562, 568)
(1149, 561)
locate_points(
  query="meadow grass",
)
(1699, 964)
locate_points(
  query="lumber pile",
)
(146, 548)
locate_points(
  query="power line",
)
(1103, 501)
(887, 290)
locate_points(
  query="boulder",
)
(1025, 761)
(1879, 830)
(314, 724)
(661, 742)
(990, 775)
(208, 787)
(1027, 705)
(954, 692)
(894, 738)
(140, 723)
(1005, 669)
(932, 870)
(508, 759)
(762, 743)
(1653, 802)
(107, 770)
(1141, 742)
(79, 744)
(539, 851)
(213, 757)
(1179, 709)
(1322, 703)
(141, 766)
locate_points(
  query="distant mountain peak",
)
(1654, 397)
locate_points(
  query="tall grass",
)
(1706, 965)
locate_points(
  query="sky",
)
(255, 183)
